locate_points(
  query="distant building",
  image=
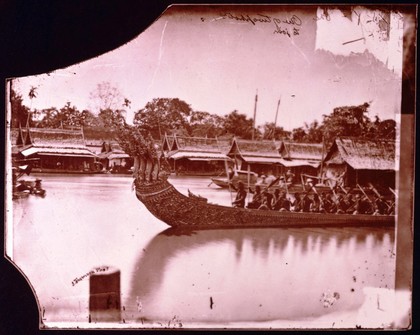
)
(114, 159)
(262, 157)
(362, 162)
(301, 158)
(196, 156)
(55, 150)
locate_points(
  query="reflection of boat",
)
(178, 210)
(284, 257)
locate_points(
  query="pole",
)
(228, 179)
(322, 160)
(255, 115)
(275, 119)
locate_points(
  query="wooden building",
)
(196, 156)
(262, 157)
(114, 159)
(362, 161)
(301, 158)
(55, 150)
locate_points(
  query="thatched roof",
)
(47, 141)
(362, 154)
(260, 152)
(202, 144)
(304, 151)
(200, 148)
(249, 148)
(53, 138)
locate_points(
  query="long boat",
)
(193, 212)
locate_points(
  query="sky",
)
(217, 58)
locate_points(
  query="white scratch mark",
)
(160, 54)
(301, 52)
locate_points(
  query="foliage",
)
(107, 97)
(346, 121)
(299, 135)
(239, 125)
(136, 142)
(111, 119)
(164, 115)
(277, 133)
(20, 113)
(204, 124)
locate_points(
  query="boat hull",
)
(180, 211)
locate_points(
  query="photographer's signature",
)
(288, 26)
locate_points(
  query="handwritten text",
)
(289, 26)
(96, 270)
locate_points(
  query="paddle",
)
(216, 177)
(272, 183)
(393, 192)
(371, 202)
(374, 189)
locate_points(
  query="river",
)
(252, 278)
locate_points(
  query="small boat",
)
(240, 175)
(191, 212)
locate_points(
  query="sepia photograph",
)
(230, 167)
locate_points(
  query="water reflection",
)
(259, 274)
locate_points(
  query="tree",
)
(50, 118)
(270, 133)
(88, 119)
(387, 129)
(299, 135)
(20, 113)
(314, 132)
(164, 115)
(239, 125)
(346, 121)
(106, 97)
(70, 116)
(204, 124)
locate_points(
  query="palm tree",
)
(32, 94)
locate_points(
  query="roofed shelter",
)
(362, 161)
(196, 155)
(58, 150)
(261, 156)
(301, 158)
(113, 158)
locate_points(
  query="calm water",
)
(243, 277)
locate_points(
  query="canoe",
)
(191, 212)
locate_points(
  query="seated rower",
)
(316, 204)
(296, 204)
(267, 201)
(306, 203)
(256, 199)
(282, 203)
(240, 196)
(381, 207)
(341, 205)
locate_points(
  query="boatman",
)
(240, 196)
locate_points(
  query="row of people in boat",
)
(325, 202)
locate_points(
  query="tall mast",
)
(255, 114)
(275, 119)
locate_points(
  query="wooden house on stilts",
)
(195, 156)
(362, 162)
(55, 150)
